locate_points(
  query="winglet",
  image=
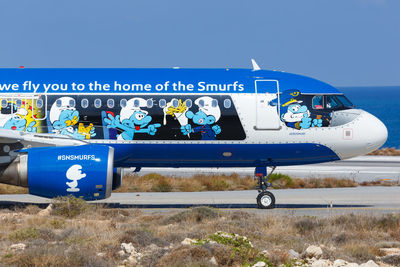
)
(255, 65)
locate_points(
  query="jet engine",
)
(82, 171)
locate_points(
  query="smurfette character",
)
(208, 114)
(17, 121)
(64, 116)
(132, 119)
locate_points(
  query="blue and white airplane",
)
(70, 131)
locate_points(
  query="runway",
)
(360, 169)
(314, 202)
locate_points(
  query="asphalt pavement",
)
(316, 202)
(360, 169)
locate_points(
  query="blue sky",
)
(342, 42)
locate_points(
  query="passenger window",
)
(84, 103)
(318, 102)
(332, 102)
(188, 103)
(201, 103)
(175, 103)
(149, 103)
(4, 103)
(39, 103)
(227, 103)
(122, 103)
(72, 103)
(136, 103)
(214, 103)
(97, 103)
(110, 103)
(18, 103)
(162, 103)
(58, 103)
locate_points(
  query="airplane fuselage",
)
(191, 117)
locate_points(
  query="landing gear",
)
(265, 199)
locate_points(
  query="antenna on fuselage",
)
(255, 65)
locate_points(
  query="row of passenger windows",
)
(19, 103)
(162, 103)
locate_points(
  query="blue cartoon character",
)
(21, 120)
(64, 118)
(132, 119)
(208, 114)
(293, 113)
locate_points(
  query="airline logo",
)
(74, 173)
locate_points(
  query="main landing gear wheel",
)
(266, 200)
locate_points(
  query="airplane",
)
(71, 131)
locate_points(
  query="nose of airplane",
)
(376, 132)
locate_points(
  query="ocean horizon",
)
(381, 101)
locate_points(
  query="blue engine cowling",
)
(82, 171)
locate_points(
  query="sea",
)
(382, 102)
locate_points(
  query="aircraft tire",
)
(266, 200)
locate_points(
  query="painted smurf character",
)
(293, 113)
(208, 114)
(64, 116)
(132, 119)
(17, 121)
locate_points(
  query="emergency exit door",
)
(267, 105)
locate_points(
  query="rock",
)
(130, 260)
(370, 263)
(313, 251)
(352, 264)
(188, 241)
(391, 259)
(319, 263)
(339, 263)
(121, 253)
(390, 251)
(213, 261)
(46, 211)
(259, 264)
(152, 247)
(17, 247)
(128, 248)
(101, 254)
(293, 254)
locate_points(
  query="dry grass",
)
(154, 182)
(11, 189)
(159, 183)
(386, 152)
(59, 240)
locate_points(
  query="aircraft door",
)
(267, 114)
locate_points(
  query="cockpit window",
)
(332, 102)
(338, 101)
(345, 101)
(318, 102)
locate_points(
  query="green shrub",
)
(23, 234)
(69, 206)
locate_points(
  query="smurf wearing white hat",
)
(64, 116)
(17, 121)
(208, 114)
(132, 119)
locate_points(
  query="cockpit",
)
(324, 109)
(330, 102)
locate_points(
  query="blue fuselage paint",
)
(212, 155)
